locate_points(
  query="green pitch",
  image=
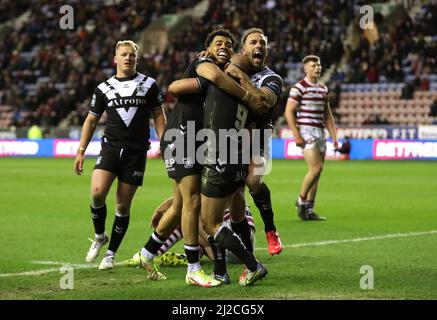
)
(380, 214)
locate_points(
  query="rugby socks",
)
(219, 257)
(171, 241)
(98, 215)
(227, 239)
(119, 228)
(242, 229)
(301, 200)
(263, 202)
(192, 252)
(152, 246)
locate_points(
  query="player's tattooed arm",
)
(212, 72)
(237, 73)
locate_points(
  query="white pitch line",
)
(381, 237)
(297, 245)
(44, 271)
(62, 263)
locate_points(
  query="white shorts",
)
(314, 138)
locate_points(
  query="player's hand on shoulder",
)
(234, 72)
(204, 54)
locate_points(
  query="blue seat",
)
(383, 86)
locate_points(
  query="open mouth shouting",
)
(258, 57)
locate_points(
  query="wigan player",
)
(260, 79)
(307, 113)
(181, 164)
(129, 99)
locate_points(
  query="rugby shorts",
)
(314, 138)
(128, 165)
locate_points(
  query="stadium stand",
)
(392, 79)
(48, 74)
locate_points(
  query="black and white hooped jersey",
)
(128, 103)
(266, 77)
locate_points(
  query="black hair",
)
(220, 32)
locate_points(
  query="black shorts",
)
(179, 166)
(260, 147)
(128, 165)
(219, 181)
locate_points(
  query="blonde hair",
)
(129, 43)
(310, 58)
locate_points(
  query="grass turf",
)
(45, 216)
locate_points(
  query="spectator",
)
(34, 132)
(433, 109)
(407, 91)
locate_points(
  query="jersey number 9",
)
(241, 117)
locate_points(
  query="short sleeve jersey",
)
(268, 78)
(312, 99)
(189, 106)
(128, 103)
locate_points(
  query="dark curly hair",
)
(220, 32)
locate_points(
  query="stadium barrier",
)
(376, 132)
(361, 149)
(57, 148)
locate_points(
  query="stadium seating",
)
(49, 74)
(357, 107)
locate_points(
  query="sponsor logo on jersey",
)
(141, 88)
(126, 102)
(220, 167)
(169, 164)
(188, 163)
(138, 174)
